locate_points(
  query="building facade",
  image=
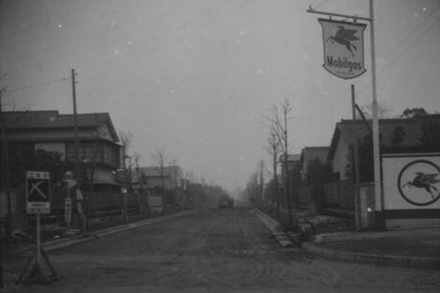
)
(98, 148)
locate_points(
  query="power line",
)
(389, 55)
(35, 85)
(408, 35)
(416, 40)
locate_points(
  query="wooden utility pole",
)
(355, 167)
(75, 129)
(162, 178)
(274, 149)
(286, 110)
(125, 191)
(5, 163)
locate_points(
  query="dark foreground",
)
(215, 251)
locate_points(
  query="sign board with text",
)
(68, 210)
(37, 192)
(343, 48)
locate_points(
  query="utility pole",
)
(262, 197)
(376, 139)
(162, 178)
(275, 178)
(355, 161)
(5, 163)
(75, 129)
(125, 191)
(286, 110)
(78, 197)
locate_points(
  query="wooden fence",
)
(335, 198)
(339, 198)
(95, 205)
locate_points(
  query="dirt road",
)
(216, 251)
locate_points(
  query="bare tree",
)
(126, 138)
(252, 187)
(274, 149)
(279, 126)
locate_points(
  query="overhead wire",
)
(408, 36)
(416, 41)
(399, 45)
(35, 85)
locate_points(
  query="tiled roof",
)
(412, 128)
(52, 119)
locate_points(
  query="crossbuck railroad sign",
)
(37, 192)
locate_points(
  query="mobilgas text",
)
(343, 63)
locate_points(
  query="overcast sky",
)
(196, 77)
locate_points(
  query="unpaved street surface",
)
(216, 251)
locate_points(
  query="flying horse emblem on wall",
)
(426, 181)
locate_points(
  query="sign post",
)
(347, 36)
(70, 183)
(37, 202)
(37, 192)
(37, 196)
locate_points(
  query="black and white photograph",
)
(220, 146)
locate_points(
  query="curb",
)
(361, 258)
(272, 226)
(327, 237)
(65, 242)
(385, 260)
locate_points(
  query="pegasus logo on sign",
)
(344, 37)
(418, 182)
(343, 48)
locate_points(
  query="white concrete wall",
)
(411, 190)
(398, 171)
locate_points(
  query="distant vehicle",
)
(225, 202)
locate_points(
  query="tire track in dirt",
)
(214, 250)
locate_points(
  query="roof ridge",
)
(316, 147)
(31, 111)
(84, 114)
(399, 119)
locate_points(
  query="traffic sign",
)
(37, 192)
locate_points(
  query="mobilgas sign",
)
(343, 48)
